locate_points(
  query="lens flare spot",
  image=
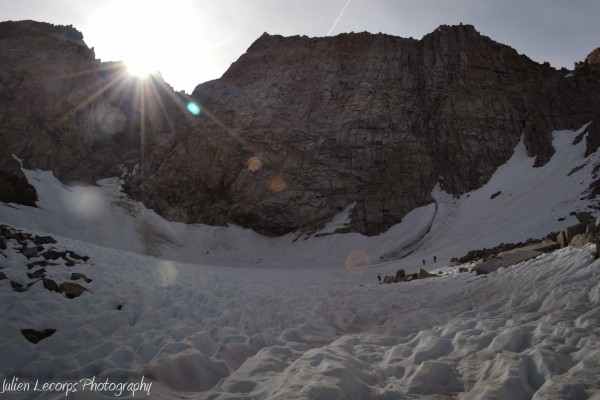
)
(112, 122)
(276, 184)
(253, 164)
(357, 263)
(167, 272)
(194, 108)
(84, 202)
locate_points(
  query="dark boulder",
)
(39, 274)
(50, 285)
(424, 274)
(35, 336)
(40, 263)
(39, 240)
(17, 287)
(30, 252)
(71, 290)
(76, 276)
(54, 255)
(76, 256)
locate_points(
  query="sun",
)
(151, 36)
(140, 67)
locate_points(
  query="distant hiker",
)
(379, 277)
(423, 262)
(434, 259)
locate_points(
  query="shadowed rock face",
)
(65, 111)
(297, 129)
(30, 94)
(41, 87)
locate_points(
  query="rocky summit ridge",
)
(298, 128)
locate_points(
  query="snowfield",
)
(223, 313)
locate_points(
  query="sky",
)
(193, 41)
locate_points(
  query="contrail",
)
(339, 17)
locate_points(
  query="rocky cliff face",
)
(65, 111)
(299, 128)
(296, 130)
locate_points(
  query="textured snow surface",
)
(223, 313)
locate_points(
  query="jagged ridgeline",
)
(297, 129)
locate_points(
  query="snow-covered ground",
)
(224, 313)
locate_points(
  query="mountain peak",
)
(298, 128)
(29, 28)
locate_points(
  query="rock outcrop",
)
(63, 110)
(591, 59)
(505, 260)
(580, 234)
(295, 131)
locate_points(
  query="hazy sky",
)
(192, 41)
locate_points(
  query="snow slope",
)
(224, 313)
(530, 204)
